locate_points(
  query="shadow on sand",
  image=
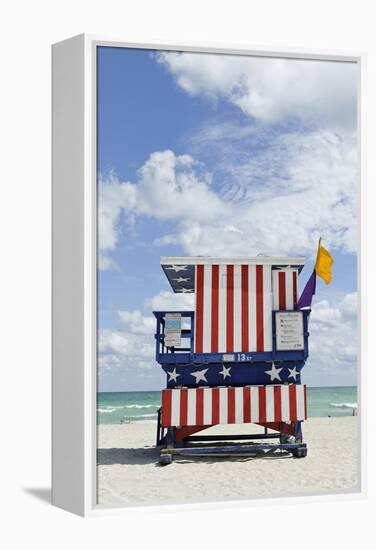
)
(150, 455)
(138, 456)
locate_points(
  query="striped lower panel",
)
(204, 406)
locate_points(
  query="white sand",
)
(128, 473)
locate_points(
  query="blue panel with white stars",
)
(180, 277)
(233, 374)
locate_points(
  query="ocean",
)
(119, 407)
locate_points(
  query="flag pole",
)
(317, 254)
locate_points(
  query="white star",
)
(173, 375)
(200, 375)
(225, 372)
(177, 268)
(274, 373)
(182, 279)
(184, 290)
(293, 373)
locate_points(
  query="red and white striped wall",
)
(233, 308)
(259, 404)
(285, 288)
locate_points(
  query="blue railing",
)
(186, 333)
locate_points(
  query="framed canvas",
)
(207, 275)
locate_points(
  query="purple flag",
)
(305, 299)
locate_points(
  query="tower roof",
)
(180, 270)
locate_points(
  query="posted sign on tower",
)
(289, 330)
(173, 329)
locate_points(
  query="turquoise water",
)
(118, 407)
(332, 401)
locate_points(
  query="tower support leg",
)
(298, 432)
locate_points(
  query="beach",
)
(128, 473)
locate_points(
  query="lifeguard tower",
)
(236, 359)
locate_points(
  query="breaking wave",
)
(136, 406)
(133, 406)
(152, 415)
(344, 405)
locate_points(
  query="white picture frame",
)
(74, 261)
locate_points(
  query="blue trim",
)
(238, 374)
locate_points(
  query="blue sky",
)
(221, 155)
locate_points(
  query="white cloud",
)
(281, 200)
(129, 348)
(349, 306)
(172, 187)
(126, 360)
(168, 187)
(271, 89)
(113, 198)
(333, 341)
(136, 322)
(114, 341)
(168, 301)
(324, 314)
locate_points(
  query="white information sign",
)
(289, 330)
(173, 329)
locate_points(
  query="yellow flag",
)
(324, 262)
